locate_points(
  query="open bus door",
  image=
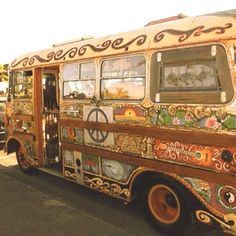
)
(50, 120)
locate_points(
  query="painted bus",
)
(148, 114)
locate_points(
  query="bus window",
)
(78, 80)
(192, 75)
(49, 91)
(22, 87)
(123, 78)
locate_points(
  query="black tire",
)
(165, 206)
(22, 162)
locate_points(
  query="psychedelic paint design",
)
(194, 118)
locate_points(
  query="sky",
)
(32, 25)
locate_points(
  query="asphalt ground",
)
(42, 204)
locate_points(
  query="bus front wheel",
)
(166, 207)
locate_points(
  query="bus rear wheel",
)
(166, 207)
(22, 161)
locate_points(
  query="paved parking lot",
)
(7, 160)
(41, 204)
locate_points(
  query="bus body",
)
(150, 112)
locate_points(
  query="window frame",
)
(78, 79)
(204, 53)
(123, 77)
(13, 83)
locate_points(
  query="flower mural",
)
(212, 123)
(193, 118)
(176, 121)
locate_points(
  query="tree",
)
(3, 72)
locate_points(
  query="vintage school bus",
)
(150, 113)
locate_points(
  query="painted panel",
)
(96, 136)
(79, 167)
(130, 144)
(73, 166)
(29, 149)
(108, 187)
(116, 170)
(22, 108)
(72, 135)
(129, 114)
(71, 110)
(68, 157)
(198, 117)
(91, 163)
(98, 114)
(69, 173)
(191, 154)
(221, 197)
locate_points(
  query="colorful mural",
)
(72, 135)
(201, 186)
(23, 126)
(30, 152)
(71, 110)
(130, 144)
(179, 152)
(98, 173)
(222, 197)
(69, 173)
(127, 114)
(197, 117)
(68, 157)
(116, 170)
(107, 187)
(226, 196)
(91, 163)
(23, 108)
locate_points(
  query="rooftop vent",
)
(73, 41)
(155, 22)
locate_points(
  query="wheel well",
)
(143, 181)
(12, 145)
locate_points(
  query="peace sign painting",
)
(98, 136)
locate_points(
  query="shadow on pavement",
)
(43, 197)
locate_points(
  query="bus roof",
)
(213, 27)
